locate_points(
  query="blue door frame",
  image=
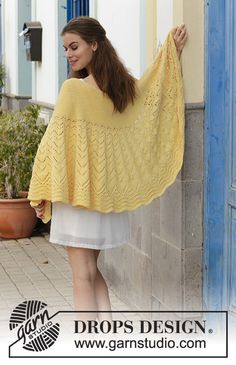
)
(220, 156)
(215, 159)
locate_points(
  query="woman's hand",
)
(180, 36)
(40, 209)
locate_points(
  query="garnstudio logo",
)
(34, 325)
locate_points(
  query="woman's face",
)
(78, 52)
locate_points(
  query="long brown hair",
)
(111, 76)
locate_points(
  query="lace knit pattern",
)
(110, 163)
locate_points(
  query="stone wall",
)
(14, 102)
(161, 268)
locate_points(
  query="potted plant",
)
(20, 135)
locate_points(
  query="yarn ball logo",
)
(36, 329)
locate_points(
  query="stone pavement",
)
(35, 269)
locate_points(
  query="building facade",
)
(182, 250)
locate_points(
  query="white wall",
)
(124, 22)
(121, 20)
(10, 44)
(191, 13)
(164, 19)
(45, 74)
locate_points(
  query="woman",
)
(84, 233)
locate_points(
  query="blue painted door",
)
(230, 101)
(77, 8)
(220, 157)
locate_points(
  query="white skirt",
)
(78, 227)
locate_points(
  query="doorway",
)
(220, 157)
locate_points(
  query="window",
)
(77, 8)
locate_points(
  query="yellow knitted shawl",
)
(94, 158)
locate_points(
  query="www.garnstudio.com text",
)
(162, 343)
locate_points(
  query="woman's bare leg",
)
(102, 294)
(84, 270)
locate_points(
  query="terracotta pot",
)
(17, 218)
